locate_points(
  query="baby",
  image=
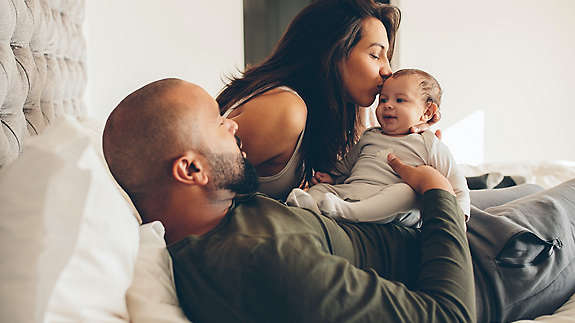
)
(363, 187)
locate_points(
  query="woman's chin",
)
(367, 102)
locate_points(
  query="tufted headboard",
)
(42, 67)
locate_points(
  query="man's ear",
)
(190, 169)
(430, 110)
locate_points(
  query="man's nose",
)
(232, 126)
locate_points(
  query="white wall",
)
(509, 64)
(507, 67)
(133, 42)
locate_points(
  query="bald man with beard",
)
(243, 257)
(157, 153)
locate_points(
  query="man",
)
(244, 257)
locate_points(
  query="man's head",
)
(409, 97)
(169, 134)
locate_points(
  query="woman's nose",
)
(385, 69)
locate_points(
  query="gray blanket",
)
(524, 254)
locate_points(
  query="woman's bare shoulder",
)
(278, 108)
(269, 127)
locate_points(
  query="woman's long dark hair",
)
(306, 59)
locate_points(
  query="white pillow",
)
(68, 240)
(152, 295)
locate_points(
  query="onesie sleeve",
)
(441, 159)
(305, 283)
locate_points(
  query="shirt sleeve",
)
(315, 286)
(441, 159)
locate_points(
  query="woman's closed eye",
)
(374, 56)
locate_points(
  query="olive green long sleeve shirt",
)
(266, 262)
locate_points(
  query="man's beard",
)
(233, 172)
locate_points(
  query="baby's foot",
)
(300, 198)
(333, 206)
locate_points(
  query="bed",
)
(72, 245)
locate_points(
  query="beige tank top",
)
(279, 185)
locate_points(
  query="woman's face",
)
(367, 65)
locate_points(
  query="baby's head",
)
(408, 97)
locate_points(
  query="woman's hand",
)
(421, 178)
(320, 177)
(424, 126)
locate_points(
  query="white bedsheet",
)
(545, 173)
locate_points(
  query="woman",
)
(299, 109)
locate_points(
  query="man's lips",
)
(239, 143)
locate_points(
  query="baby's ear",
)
(430, 110)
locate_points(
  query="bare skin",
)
(270, 144)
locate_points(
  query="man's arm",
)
(307, 284)
(303, 283)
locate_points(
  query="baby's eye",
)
(383, 100)
(400, 100)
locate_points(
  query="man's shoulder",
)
(261, 215)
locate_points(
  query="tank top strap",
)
(244, 100)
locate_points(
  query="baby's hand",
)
(320, 177)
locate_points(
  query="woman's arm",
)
(269, 127)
